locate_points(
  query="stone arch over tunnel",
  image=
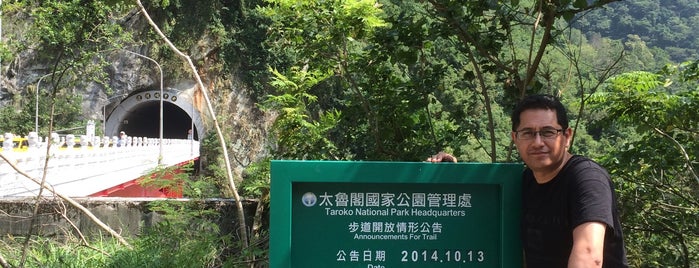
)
(139, 115)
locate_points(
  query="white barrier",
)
(78, 169)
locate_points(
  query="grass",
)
(44, 252)
(147, 252)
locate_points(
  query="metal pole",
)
(104, 119)
(160, 134)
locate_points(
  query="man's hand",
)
(441, 157)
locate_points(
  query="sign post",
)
(394, 214)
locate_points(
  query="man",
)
(569, 214)
(122, 139)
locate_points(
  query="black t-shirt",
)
(581, 192)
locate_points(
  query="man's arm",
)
(588, 245)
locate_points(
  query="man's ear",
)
(569, 135)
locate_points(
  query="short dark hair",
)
(542, 102)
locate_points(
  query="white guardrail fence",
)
(78, 167)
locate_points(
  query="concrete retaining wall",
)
(127, 216)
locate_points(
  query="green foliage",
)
(19, 118)
(224, 37)
(399, 80)
(655, 166)
(186, 235)
(197, 25)
(257, 180)
(48, 252)
(670, 25)
(179, 178)
(425, 84)
(432, 75)
(299, 134)
(646, 101)
(155, 249)
(214, 171)
(79, 23)
(72, 38)
(178, 241)
(319, 30)
(5, 52)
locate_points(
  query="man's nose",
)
(538, 139)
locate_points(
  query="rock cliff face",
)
(244, 126)
(27, 70)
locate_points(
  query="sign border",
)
(285, 172)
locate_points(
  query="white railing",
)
(80, 167)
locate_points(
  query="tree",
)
(300, 134)
(665, 25)
(20, 117)
(71, 36)
(654, 164)
(70, 39)
(422, 75)
(326, 37)
(73, 39)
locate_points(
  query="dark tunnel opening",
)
(143, 121)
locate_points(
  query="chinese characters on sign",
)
(397, 225)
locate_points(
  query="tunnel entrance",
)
(143, 121)
(139, 116)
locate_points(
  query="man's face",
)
(540, 140)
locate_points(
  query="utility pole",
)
(160, 133)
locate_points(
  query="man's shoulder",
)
(583, 162)
(581, 168)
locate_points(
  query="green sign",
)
(394, 214)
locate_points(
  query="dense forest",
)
(669, 26)
(396, 80)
